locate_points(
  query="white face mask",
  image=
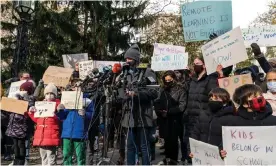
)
(23, 93)
(49, 96)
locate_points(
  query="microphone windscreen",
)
(117, 68)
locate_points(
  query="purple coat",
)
(17, 126)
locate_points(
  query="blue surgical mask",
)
(271, 86)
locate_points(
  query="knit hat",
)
(133, 53)
(50, 88)
(28, 86)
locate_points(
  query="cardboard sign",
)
(14, 105)
(72, 99)
(205, 154)
(227, 50)
(168, 57)
(70, 60)
(232, 83)
(202, 18)
(15, 88)
(85, 67)
(60, 76)
(249, 145)
(45, 109)
(264, 36)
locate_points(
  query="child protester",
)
(270, 95)
(208, 128)
(253, 109)
(74, 130)
(47, 133)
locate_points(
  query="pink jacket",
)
(272, 101)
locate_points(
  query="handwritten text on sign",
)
(264, 36)
(15, 88)
(169, 62)
(60, 76)
(202, 18)
(84, 68)
(165, 49)
(232, 83)
(227, 50)
(72, 99)
(204, 154)
(44, 109)
(250, 145)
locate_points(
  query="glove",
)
(32, 109)
(81, 112)
(213, 36)
(256, 49)
(60, 107)
(41, 83)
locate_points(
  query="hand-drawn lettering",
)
(269, 149)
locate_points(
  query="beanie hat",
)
(133, 53)
(50, 88)
(28, 86)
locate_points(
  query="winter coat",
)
(208, 128)
(272, 101)
(198, 98)
(138, 113)
(74, 125)
(47, 131)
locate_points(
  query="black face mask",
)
(198, 69)
(169, 84)
(215, 105)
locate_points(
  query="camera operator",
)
(137, 108)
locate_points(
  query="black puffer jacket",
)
(198, 98)
(208, 128)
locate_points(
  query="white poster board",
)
(69, 60)
(168, 57)
(227, 50)
(204, 154)
(264, 36)
(250, 145)
(44, 109)
(72, 99)
(85, 67)
(15, 88)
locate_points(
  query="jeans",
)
(27, 145)
(138, 137)
(48, 155)
(69, 147)
(19, 151)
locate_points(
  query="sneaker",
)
(8, 158)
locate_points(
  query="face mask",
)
(257, 104)
(215, 105)
(50, 97)
(23, 93)
(169, 84)
(271, 86)
(131, 63)
(198, 69)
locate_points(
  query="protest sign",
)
(44, 109)
(60, 76)
(227, 50)
(264, 36)
(205, 154)
(14, 105)
(202, 18)
(70, 60)
(15, 88)
(231, 83)
(84, 68)
(249, 145)
(72, 99)
(168, 57)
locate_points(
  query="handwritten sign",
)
(45, 109)
(227, 50)
(72, 99)
(249, 145)
(15, 88)
(205, 154)
(70, 60)
(202, 18)
(14, 105)
(168, 57)
(264, 36)
(84, 68)
(232, 83)
(60, 76)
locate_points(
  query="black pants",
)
(174, 130)
(19, 151)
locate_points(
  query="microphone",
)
(92, 74)
(117, 68)
(126, 68)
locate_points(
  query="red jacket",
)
(47, 131)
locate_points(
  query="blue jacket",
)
(74, 125)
